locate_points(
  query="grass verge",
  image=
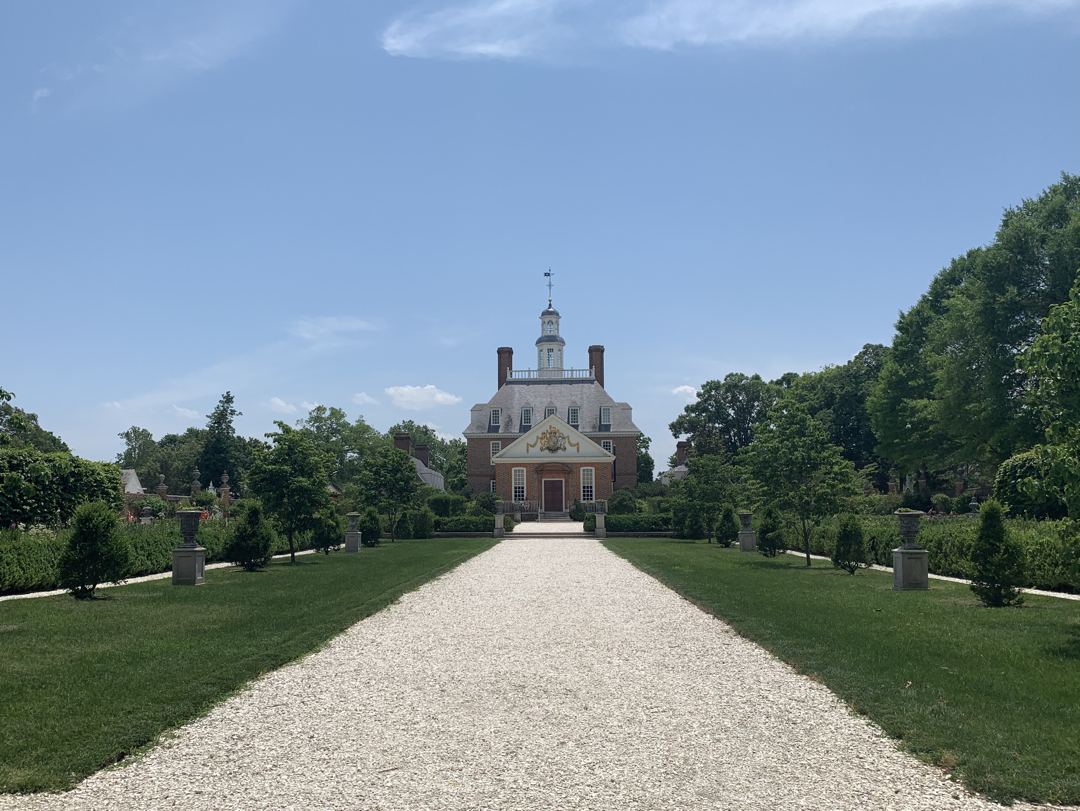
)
(991, 695)
(87, 683)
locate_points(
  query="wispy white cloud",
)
(281, 407)
(363, 398)
(39, 94)
(419, 398)
(440, 433)
(488, 28)
(158, 46)
(304, 404)
(512, 29)
(329, 330)
(689, 393)
(186, 412)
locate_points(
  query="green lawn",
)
(85, 684)
(993, 695)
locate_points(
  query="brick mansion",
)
(551, 435)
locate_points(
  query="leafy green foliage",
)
(423, 522)
(387, 480)
(770, 533)
(1019, 486)
(96, 551)
(438, 448)
(727, 527)
(456, 474)
(849, 553)
(447, 506)
(45, 488)
(370, 526)
(466, 523)
(348, 444)
(797, 469)
(622, 502)
(997, 564)
(483, 504)
(645, 463)
(20, 429)
(291, 479)
(725, 414)
(328, 532)
(403, 528)
(223, 452)
(251, 544)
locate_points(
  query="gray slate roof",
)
(588, 395)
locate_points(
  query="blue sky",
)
(354, 204)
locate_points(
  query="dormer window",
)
(605, 415)
(526, 417)
(573, 416)
(549, 411)
(496, 417)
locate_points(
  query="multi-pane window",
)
(519, 483)
(588, 484)
(605, 415)
(526, 417)
(549, 411)
(492, 485)
(495, 448)
(573, 416)
(549, 327)
(496, 417)
(551, 358)
(606, 445)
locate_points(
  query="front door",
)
(553, 496)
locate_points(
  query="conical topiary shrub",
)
(997, 562)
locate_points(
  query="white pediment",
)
(553, 439)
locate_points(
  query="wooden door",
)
(553, 496)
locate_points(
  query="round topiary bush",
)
(97, 552)
(1018, 487)
(622, 502)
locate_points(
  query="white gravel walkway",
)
(543, 674)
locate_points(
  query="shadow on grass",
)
(1071, 648)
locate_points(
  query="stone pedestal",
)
(911, 563)
(601, 530)
(188, 566)
(498, 526)
(747, 538)
(352, 534)
(911, 569)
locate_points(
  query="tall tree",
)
(439, 450)
(223, 451)
(140, 454)
(348, 443)
(645, 463)
(20, 429)
(292, 479)
(388, 481)
(725, 413)
(456, 474)
(797, 469)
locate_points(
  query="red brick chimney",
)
(681, 449)
(596, 362)
(506, 362)
(403, 442)
(423, 453)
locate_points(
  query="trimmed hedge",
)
(29, 559)
(638, 522)
(466, 523)
(43, 488)
(949, 542)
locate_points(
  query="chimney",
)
(506, 362)
(681, 449)
(423, 453)
(403, 442)
(596, 362)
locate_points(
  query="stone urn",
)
(352, 534)
(747, 538)
(911, 563)
(189, 559)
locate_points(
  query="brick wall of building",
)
(480, 471)
(569, 473)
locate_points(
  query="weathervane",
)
(550, 284)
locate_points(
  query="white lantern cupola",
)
(549, 346)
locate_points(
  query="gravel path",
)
(543, 674)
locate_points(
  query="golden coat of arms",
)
(552, 440)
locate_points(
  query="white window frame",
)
(573, 416)
(526, 417)
(493, 486)
(605, 411)
(551, 359)
(607, 445)
(496, 446)
(496, 416)
(588, 485)
(550, 411)
(517, 484)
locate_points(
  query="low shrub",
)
(403, 529)
(423, 522)
(770, 533)
(875, 504)
(329, 531)
(97, 552)
(848, 551)
(447, 506)
(466, 523)
(30, 559)
(370, 526)
(483, 504)
(252, 541)
(577, 511)
(622, 502)
(159, 507)
(639, 522)
(997, 562)
(727, 528)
